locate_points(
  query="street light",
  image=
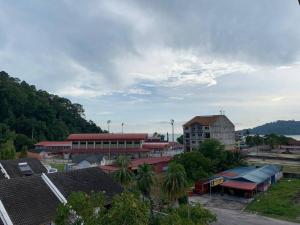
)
(122, 128)
(172, 123)
(108, 122)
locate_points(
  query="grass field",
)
(59, 166)
(281, 201)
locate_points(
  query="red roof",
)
(151, 161)
(156, 145)
(107, 136)
(54, 143)
(109, 168)
(247, 186)
(203, 120)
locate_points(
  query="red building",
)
(53, 146)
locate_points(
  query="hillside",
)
(281, 127)
(28, 114)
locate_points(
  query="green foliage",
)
(7, 150)
(282, 201)
(35, 113)
(128, 210)
(123, 175)
(188, 215)
(270, 139)
(23, 153)
(175, 181)
(180, 139)
(82, 209)
(145, 179)
(208, 159)
(195, 164)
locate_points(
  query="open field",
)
(281, 201)
(59, 166)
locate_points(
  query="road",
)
(230, 217)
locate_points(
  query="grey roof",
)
(13, 170)
(29, 201)
(92, 158)
(261, 174)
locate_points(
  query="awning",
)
(239, 185)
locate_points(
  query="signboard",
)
(216, 182)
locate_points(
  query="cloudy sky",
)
(144, 62)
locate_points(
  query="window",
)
(98, 143)
(207, 135)
(121, 142)
(90, 143)
(113, 142)
(82, 143)
(206, 128)
(105, 142)
(75, 143)
(136, 142)
(129, 142)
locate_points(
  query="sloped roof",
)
(28, 200)
(239, 185)
(151, 161)
(156, 145)
(87, 180)
(203, 120)
(54, 143)
(12, 167)
(108, 136)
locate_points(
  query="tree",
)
(82, 208)
(123, 175)
(145, 179)
(188, 215)
(180, 139)
(23, 153)
(7, 150)
(196, 165)
(128, 210)
(175, 182)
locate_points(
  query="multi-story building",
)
(200, 128)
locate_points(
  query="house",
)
(20, 168)
(159, 164)
(242, 181)
(34, 200)
(201, 128)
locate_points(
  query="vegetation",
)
(187, 215)
(175, 182)
(208, 159)
(123, 176)
(281, 201)
(126, 209)
(280, 127)
(180, 139)
(8, 150)
(271, 139)
(145, 179)
(28, 115)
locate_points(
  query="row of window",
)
(106, 143)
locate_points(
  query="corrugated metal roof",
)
(239, 185)
(107, 136)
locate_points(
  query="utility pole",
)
(172, 123)
(108, 122)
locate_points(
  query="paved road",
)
(230, 217)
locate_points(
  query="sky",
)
(144, 62)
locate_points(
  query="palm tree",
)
(124, 176)
(145, 179)
(175, 182)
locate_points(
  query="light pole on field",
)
(172, 123)
(108, 122)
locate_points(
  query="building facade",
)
(201, 128)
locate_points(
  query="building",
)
(20, 168)
(201, 128)
(241, 181)
(52, 146)
(34, 200)
(159, 164)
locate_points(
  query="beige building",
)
(200, 128)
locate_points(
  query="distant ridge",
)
(280, 127)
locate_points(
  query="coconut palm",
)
(123, 175)
(175, 182)
(145, 179)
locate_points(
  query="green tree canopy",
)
(123, 175)
(7, 150)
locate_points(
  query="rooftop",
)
(203, 120)
(108, 136)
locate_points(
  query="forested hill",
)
(281, 127)
(26, 113)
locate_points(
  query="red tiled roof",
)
(151, 161)
(203, 120)
(247, 186)
(105, 150)
(53, 143)
(109, 168)
(107, 136)
(156, 145)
